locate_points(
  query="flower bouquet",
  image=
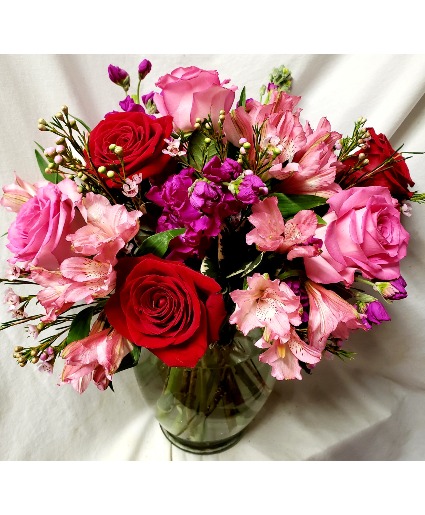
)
(214, 242)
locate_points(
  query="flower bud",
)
(42, 121)
(112, 147)
(110, 173)
(144, 68)
(118, 151)
(64, 109)
(207, 140)
(60, 116)
(119, 76)
(101, 169)
(60, 149)
(58, 159)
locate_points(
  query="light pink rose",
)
(363, 233)
(37, 236)
(190, 93)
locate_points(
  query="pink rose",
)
(37, 236)
(363, 233)
(190, 93)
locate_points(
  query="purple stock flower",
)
(144, 68)
(298, 289)
(119, 76)
(374, 313)
(250, 189)
(392, 290)
(128, 104)
(205, 197)
(149, 96)
(216, 171)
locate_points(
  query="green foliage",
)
(242, 99)
(80, 326)
(158, 243)
(247, 268)
(208, 268)
(199, 152)
(290, 205)
(130, 360)
(53, 176)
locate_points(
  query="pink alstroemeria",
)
(313, 167)
(280, 127)
(109, 228)
(283, 356)
(16, 194)
(78, 279)
(95, 358)
(272, 234)
(269, 304)
(329, 315)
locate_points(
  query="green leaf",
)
(290, 205)
(209, 268)
(288, 273)
(81, 121)
(158, 243)
(130, 360)
(42, 164)
(248, 267)
(242, 99)
(80, 326)
(320, 220)
(199, 152)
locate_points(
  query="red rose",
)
(394, 175)
(166, 307)
(141, 138)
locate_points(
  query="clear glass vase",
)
(205, 409)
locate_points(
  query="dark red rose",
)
(141, 137)
(166, 307)
(395, 175)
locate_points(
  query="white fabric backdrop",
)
(372, 408)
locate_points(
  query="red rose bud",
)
(144, 68)
(166, 307)
(394, 174)
(119, 76)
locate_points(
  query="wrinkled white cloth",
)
(371, 408)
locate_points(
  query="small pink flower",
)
(269, 304)
(95, 358)
(283, 356)
(329, 315)
(173, 148)
(131, 186)
(272, 234)
(109, 228)
(15, 195)
(12, 298)
(79, 279)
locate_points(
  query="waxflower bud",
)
(144, 68)
(64, 109)
(101, 169)
(119, 76)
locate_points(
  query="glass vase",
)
(205, 409)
